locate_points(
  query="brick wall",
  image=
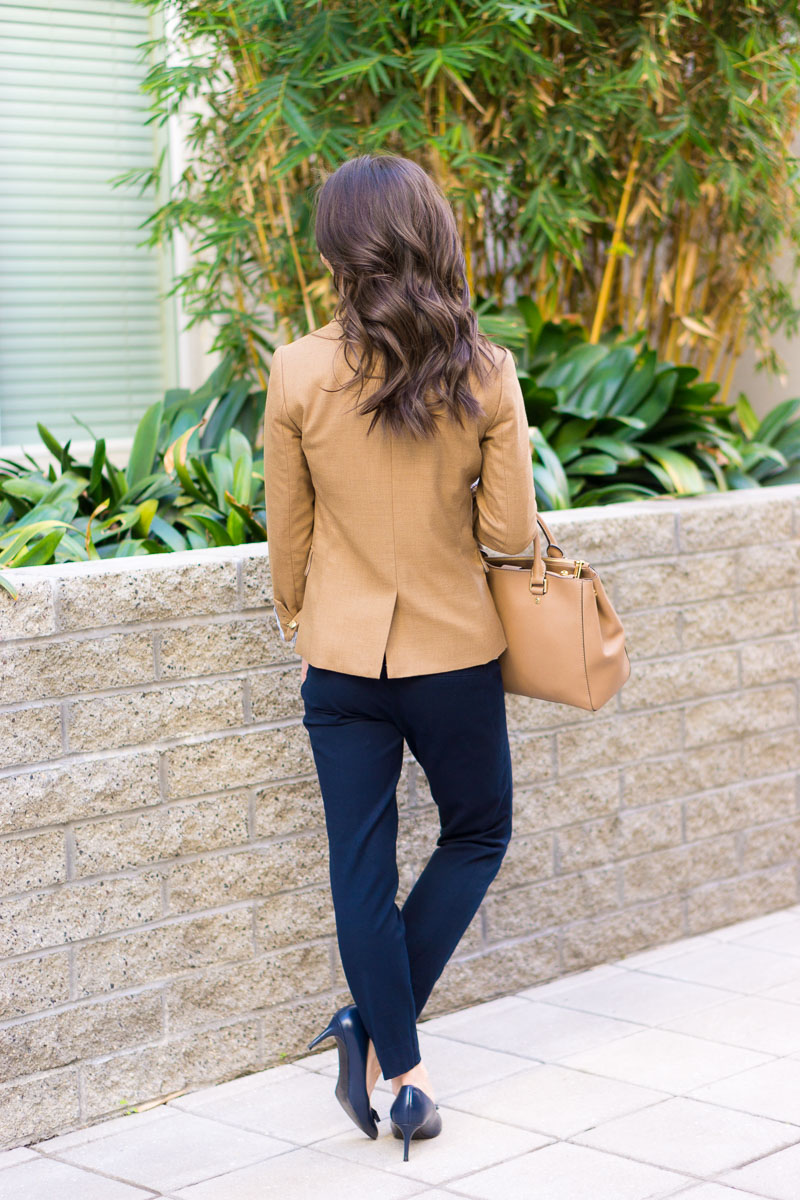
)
(165, 920)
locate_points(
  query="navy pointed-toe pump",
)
(414, 1115)
(352, 1041)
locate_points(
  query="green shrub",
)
(608, 423)
(190, 482)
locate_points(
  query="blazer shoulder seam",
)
(503, 368)
(284, 402)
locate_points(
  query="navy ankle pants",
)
(454, 723)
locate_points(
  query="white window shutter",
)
(83, 328)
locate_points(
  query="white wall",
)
(765, 390)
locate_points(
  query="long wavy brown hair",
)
(391, 238)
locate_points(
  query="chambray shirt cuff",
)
(280, 631)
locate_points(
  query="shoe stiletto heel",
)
(414, 1115)
(326, 1033)
(352, 1041)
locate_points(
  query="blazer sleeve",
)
(289, 500)
(504, 501)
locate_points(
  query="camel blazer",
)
(373, 539)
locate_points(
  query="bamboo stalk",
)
(236, 280)
(724, 317)
(733, 353)
(261, 235)
(616, 238)
(662, 309)
(712, 259)
(674, 304)
(645, 307)
(566, 276)
(255, 80)
(541, 280)
(468, 257)
(634, 286)
(290, 233)
(251, 346)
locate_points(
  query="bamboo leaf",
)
(697, 326)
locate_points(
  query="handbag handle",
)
(538, 578)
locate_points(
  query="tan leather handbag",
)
(565, 640)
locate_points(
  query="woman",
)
(395, 442)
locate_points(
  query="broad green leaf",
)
(120, 522)
(242, 466)
(222, 476)
(98, 462)
(27, 487)
(596, 393)
(236, 527)
(714, 468)
(39, 552)
(747, 417)
(701, 393)
(246, 513)
(682, 474)
(16, 539)
(790, 475)
(623, 452)
(657, 402)
(638, 384)
(168, 534)
(71, 549)
(145, 443)
(206, 483)
(175, 459)
(569, 371)
(9, 587)
(593, 464)
(758, 452)
(534, 322)
(58, 451)
(776, 420)
(217, 531)
(216, 384)
(551, 463)
(616, 493)
(225, 414)
(146, 510)
(570, 435)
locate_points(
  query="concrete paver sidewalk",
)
(672, 1072)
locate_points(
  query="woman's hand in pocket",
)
(304, 670)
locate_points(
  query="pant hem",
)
(400, 1059)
